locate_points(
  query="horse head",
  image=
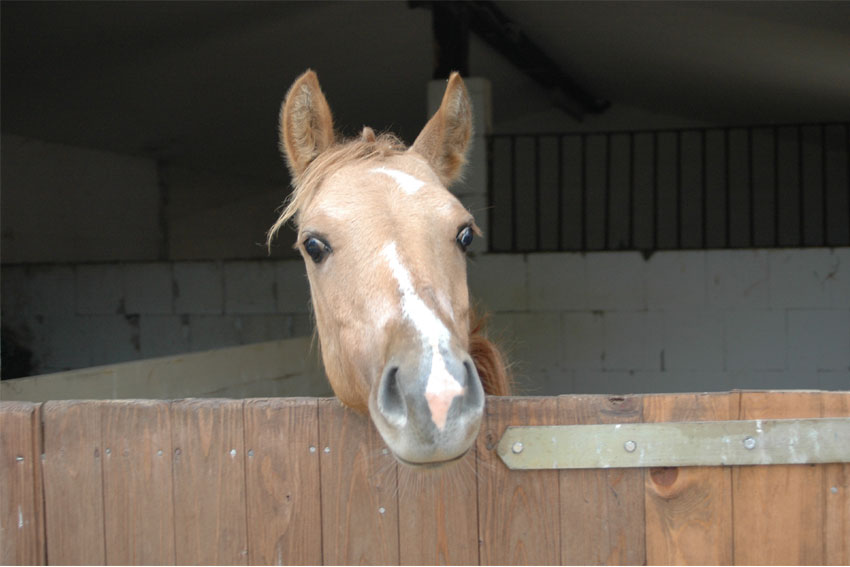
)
(384, 243)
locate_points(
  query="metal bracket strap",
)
(685, 444)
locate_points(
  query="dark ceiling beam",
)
(450, 21)
(453, 20)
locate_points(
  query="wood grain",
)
(602, 511)
(837, 491)
(282, 478)
(21, 517)
(518, 510)
(779, 509)
(138, 495)
(359, 490)
(438, 514)
(209, 482)
(110, 496)
(73, 483)
(689, 509)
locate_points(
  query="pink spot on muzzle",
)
(441, 390)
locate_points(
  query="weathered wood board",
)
(602, 511)
(518, 513)
(689, 509)
(359, 490)
(73, 483)
(138, 500)
(306, 481)
(210, 522)
(282, 479)
(21, 497)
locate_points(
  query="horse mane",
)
(488, 359)
(364, 147)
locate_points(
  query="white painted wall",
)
(70, 204)
(64, 204)
(571, 323)
(679, 321)
(79, 315)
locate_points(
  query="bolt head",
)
(517, 447)
(630, 446)
(749, 443)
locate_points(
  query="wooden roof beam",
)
(452, 22)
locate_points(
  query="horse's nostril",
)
(474, 391)
(390, 399)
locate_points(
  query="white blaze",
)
(442, 387)
(406, 182)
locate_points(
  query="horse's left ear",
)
(445, 138)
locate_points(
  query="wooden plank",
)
(73, 483)
(138, 504)
(224, 372)
(518, 510)
(21, 503)
(209, 482)
(438, 514)
(359, 490)
(602, 511)
(837, 490)
(282, 478)
(779, 509)
(689, 509)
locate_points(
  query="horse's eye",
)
(316, 249)
(464, 237)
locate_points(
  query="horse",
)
(384, 244)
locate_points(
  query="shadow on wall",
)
(17, 359)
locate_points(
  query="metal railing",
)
(693, 188)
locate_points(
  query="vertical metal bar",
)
(678, 189)
(560, 218)
(752, 211)
(801, 204)
(631, 219)
(538, 224)
(824, 203)
(704, 186)
(607, 204)
(514, 228)
(728, 181)
(491, 216)
(655, 165)
(847, 155)
(776, 186)
(584, 192)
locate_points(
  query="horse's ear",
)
(306, 124)
(445, 138)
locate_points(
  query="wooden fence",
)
(302, 480)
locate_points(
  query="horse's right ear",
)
(306, 124)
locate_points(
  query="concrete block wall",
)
(74, 316)
(678, 321)
(65, 204)
(70, 204)
(571, 323)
